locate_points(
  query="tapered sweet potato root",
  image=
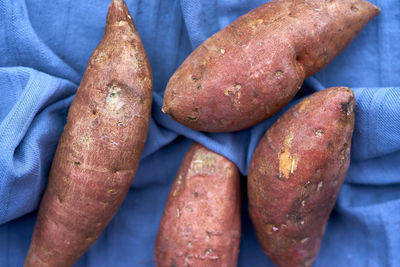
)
(296, 173)
(251, 69)
(100, 148)
(201, 221)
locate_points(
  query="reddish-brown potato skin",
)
(200, 225)
(252, 68)
(296, 173)
(100, 148)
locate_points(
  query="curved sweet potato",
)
(296, 173)
(100, 148)
(201, 221)
(251, 69)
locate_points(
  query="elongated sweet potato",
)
(251, 69)
(201, 221)
(296, 173)
(100, 148)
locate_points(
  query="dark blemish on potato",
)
(342, 154)
(325, 56)
(120, 124)
(59, 199)
(139, 62)
(280, 177)
(265, 214)
(194, 78)
(278, 73)
(319, 186)
(198, 86)
(307, 188)
(105, 136)
(67, 180)
(171, 115)
(164, 109)
(208, 252)
(112, 191)
(319, 132)
(95, 123)
(316, 175)
(255, 93)
(220, 122)
(329, 146)
(344, 107)
(188, 229)
(270, 228)
(195, 116)
(295, 213)
(229, 92)
(196, 194)
(77, 163)
(354, 8)
(93, 106)
(94, 112)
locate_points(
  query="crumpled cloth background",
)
(44, 48)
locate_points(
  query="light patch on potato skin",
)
(203, 163)
(114, 98)
(287, 161)
(304, 104)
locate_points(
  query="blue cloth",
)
(44, 48)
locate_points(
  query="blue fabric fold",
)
(44, 48)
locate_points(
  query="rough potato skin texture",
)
(100, 148)
(252, 68)
(200, 225)
(296, 173)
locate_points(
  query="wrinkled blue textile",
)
(44, 48)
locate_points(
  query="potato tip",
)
(118, 12)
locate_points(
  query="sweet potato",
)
(251, 69)
(296, 173)
(100, 148)
(200, 225)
